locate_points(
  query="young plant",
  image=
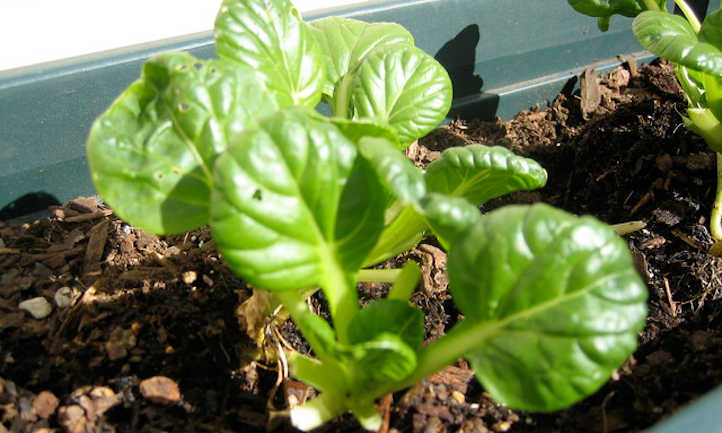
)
(299, 202)
(696, 49)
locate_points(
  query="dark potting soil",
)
(149, 339)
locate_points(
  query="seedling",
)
(696, 49)
(299, 202)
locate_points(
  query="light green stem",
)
(378, 275)
(316, 412)
(401, 235)
(689, 14)
(651, 5)
(628, 227)
(715, 223)
(342, 98)
(341, 294)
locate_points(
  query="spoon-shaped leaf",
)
(480, 173)
(404, 88)
(672, 37)
(346, 42)
(270, 37)
(553, 300)
(151, 153)
(293, 207)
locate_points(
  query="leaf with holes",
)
(294, 207)
(151, 154)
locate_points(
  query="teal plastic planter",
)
(46, 110)
(496, 67)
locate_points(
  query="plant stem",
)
(378, 275)
(651, 5)
(715, 223)
(628, 227)
(341, 98)
(317, 411)
(689, 14)
(341, 295)
(402, 234)
(406, 282)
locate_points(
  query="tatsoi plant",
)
(696, 49)
(299, 202)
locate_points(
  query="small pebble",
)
(64, 297)
(161, 390)
(45, 404)
(38, 307)
(189, 277)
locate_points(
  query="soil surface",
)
(139, 333)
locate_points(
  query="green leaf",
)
(346, 42)
(392, 316)
(672, 37)
(404, 88)
(386, 358)
(394, 169)
(554, 302)
(270, 37)
(480, 173)
(711, 30)
(449, 217)
(355, 129)
(607, 8)
(293, 202)
(406, 281)
(151, 154)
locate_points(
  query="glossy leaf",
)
(385, 358)
(151, 154)
(480, 173)
(293, 203)
(395, 170)
(356, 129)
(393, 316)
(607, 8)
(346, 42)
(554, 300)
(404, 88)
(672, 37)
(270, 37)
(449, 217)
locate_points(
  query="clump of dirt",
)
(132, 332)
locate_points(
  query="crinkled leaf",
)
(385, 358)
(292, 202)
(672, 37)
(393, 316)
(270, 37)
(554, 299)
(151, 154)
(404, 88)
(346, 42)
(449, 217)
(480, 173)
(395, 170)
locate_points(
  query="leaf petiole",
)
(689, 14)
(378, 275)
